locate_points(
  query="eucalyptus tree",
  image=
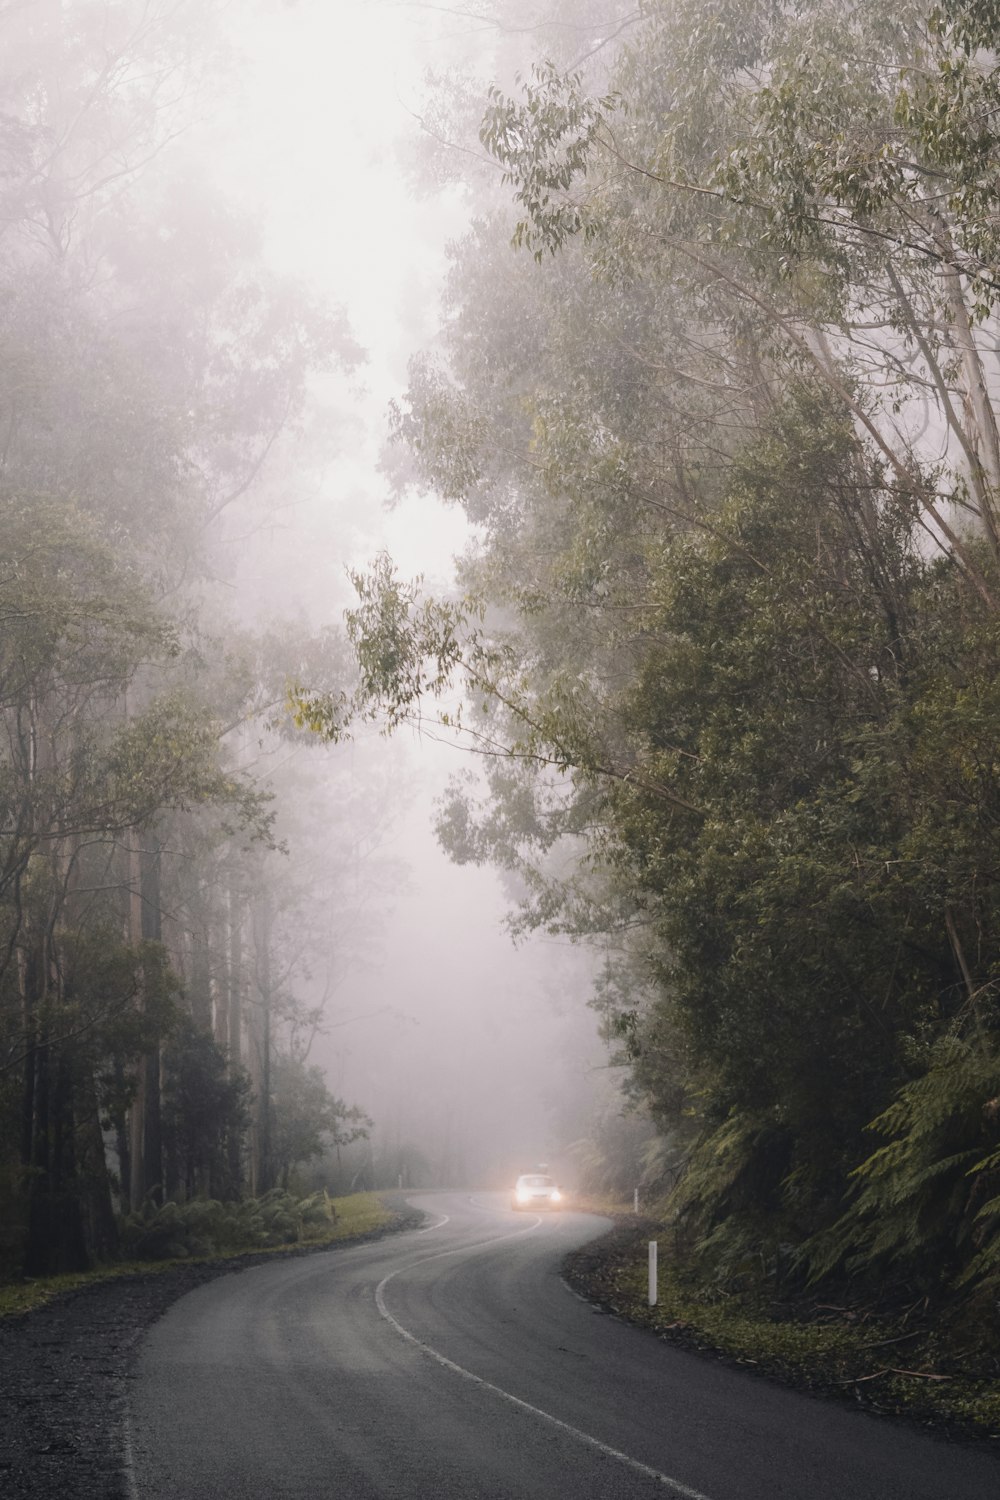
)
(79, 776)
(815, 185)
(816, 180)
(150, 362)
(728, 433)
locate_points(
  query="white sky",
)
(309, 148)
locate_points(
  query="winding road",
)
(452, 1361)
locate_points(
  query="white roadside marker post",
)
(653, 1288)
(635, 1200)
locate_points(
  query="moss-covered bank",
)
(910, 1361)
(357, 1217)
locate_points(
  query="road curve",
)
(452, 1361)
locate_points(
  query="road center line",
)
(684, 1491)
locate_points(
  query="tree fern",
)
(919, 1200)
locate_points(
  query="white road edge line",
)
(129, 1472)
(683, 1490)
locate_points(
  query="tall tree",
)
(728, 633)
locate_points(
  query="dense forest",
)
(161, 958)
(717, 387)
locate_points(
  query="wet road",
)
(452, 1361)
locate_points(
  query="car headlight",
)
(556, 1195)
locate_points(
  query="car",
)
(535, 1190)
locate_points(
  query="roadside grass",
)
(606, 1206)
(933, 1370)
(357, 1216)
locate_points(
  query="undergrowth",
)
(925, 1363)
(204, 1230)
(204, 1226)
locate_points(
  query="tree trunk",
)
(234, 1040)
(94, 1191)
(152, 1133)
(201, 974)
(261, 1168)
(56, 1240)
(137, 1114)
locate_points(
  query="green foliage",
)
(342, 1219)
(150, 366)
(810, 914)
(204, 1110)
(204, 1227)
(308, 1120)
(733, 653)
(946, 1375)
(103, 980)
(405, 649)
(543, 145)
(926, 1201)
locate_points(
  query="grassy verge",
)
(902, 1362)
(358, 1216)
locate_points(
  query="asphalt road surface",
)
(452, 1361)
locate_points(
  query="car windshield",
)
(537, 1181)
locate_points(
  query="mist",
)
(237, 958)
(499, 661)
(500, 538)
(474, 1056)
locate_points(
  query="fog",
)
(235, 960)
(484, 1057)
(475, 1057)
(499, 557)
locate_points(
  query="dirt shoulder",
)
(895, 1363)
(65, 1367)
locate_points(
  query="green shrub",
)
(205, 1227)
